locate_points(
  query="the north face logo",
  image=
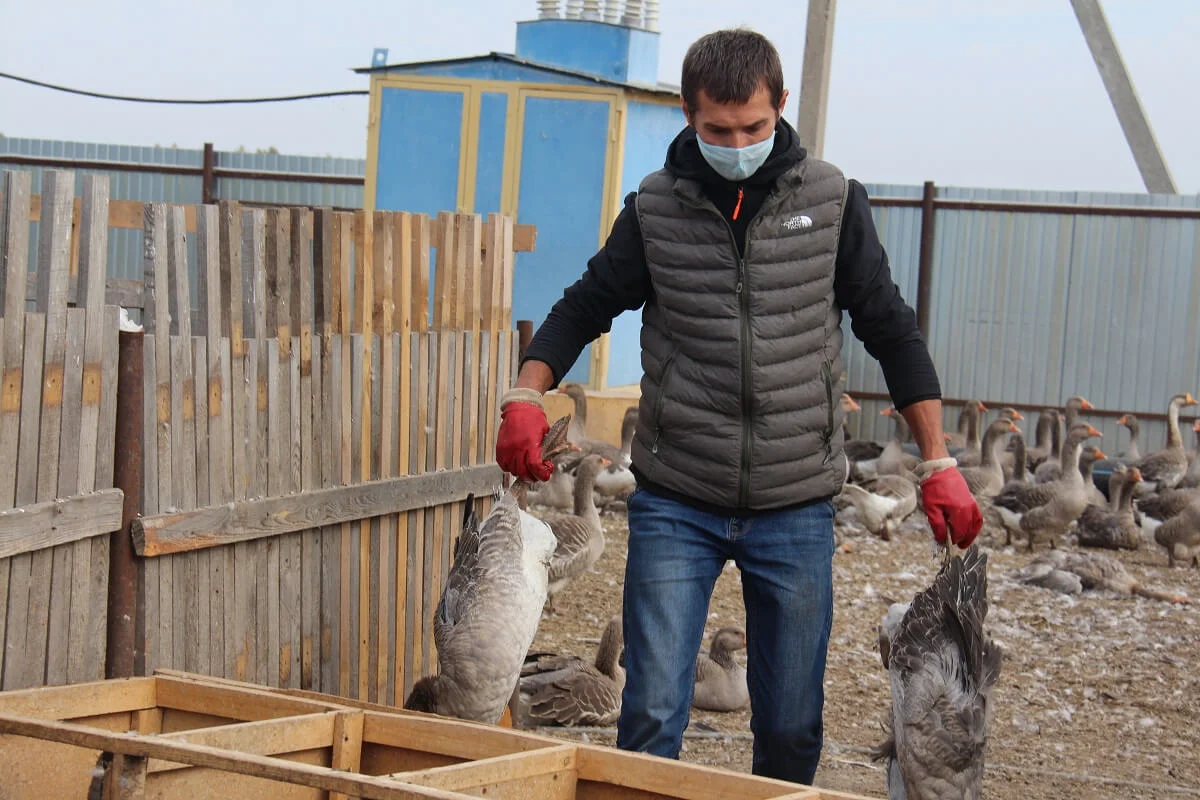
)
(797, 222)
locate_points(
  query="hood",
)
(684, 159)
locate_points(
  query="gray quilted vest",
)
(740, 402)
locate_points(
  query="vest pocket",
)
(827, 434)
(668, 368)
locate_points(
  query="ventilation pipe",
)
(633, 14)
(591, 9)
(547, 9)
(651, 15)
(612, 11)
(574, 9)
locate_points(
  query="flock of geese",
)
(510, 567)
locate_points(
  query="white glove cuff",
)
(521, 395)
(927, 468)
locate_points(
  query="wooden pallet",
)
(177, 735)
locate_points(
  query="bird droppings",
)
(1095, 687)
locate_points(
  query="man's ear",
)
(783, 102)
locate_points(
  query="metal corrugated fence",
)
(125, 246)
(1032, 307)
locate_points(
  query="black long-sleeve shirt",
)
(617, 278)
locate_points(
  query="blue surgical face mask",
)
(736, 163)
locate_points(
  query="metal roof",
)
(657, 88)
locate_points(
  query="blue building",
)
(555, 134)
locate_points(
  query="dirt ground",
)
(1098, 693)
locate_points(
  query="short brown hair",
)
(730, 65)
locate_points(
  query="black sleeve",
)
(616, 280)
(879, 317)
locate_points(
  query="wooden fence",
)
(311, 430)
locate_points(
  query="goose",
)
(558, 492)
(577, 693)
(987, 478)
(1108, 528)
(1191, 478)
(1087, 465)
(1180, 536)
(577, 434)
(972, 445)
(942, 669)
(883, 503)
(720, 680)
(1165, 468)
(857, 450)
(1044, 437)
(1130, 422)
(1008, 460)
(1019, 478)
(1049, 471)
(1073, 572)
(1045, 510)
(958, 439)
(490, 605)
(580, 535)
(893, 460)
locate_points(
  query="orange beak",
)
(1136, 474)
(1190, 401)
(1093, 432)
(982, 407)
(1100, 453)
(1017, 415)
(1012, 428)
(1085, 405)
(887, 412)
(1196, 427)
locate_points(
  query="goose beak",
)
(1093, 432)
(1100, 454)
(1012, 428)
(1018, 416)
(887, 412)
(1189, 400)
(854, 406)
(1136, 474)
(1085, 405)
(1196, 426)
(982, 407)
(1124, 418)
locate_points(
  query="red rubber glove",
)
(949, 503)
(523, 426)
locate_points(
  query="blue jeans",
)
(676, 553)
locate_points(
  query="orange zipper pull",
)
(738, 207)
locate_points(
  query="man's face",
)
(735, 124)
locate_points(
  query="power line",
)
(223, 101)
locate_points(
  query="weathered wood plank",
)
(67, 637)
(420, 272)
(261, 737)
(414, 583)
(157, 323)
(347, 745)
(434, 518)
(93, 255)
(306, 389)
(14, 261)
(356, 785)
(364, 285)
(233, 396)
(383, 393)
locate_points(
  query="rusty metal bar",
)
(126, 614)
(925, 259)
(943, 204)
(524, 336)
(175, 169)
(208, 184)
(1112, 413)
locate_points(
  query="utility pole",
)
(814, 80)
(1124, 98)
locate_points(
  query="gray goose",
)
(1180, 536)
(1191, 478)
(577, 434)
(1072, 572)
(882, 504)
(972, 443)
(1046, 510)
(1103, 527)
(580, 536)
(857, 450)
(893, 460)
(942, 668)
(1087, 464)
(490, 606)
(1130, 422)
(987, 478)
(576, 693)
(974, 456)
(1019, 478)
(720, 680)
(960, 437)
(1045, 438)
(1165, 468)
(1049, 470)
(1041, 448)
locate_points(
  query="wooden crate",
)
(177, 735)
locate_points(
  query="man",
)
(742, 252)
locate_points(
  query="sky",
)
(961, 92)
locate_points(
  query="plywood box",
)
(175, 735)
